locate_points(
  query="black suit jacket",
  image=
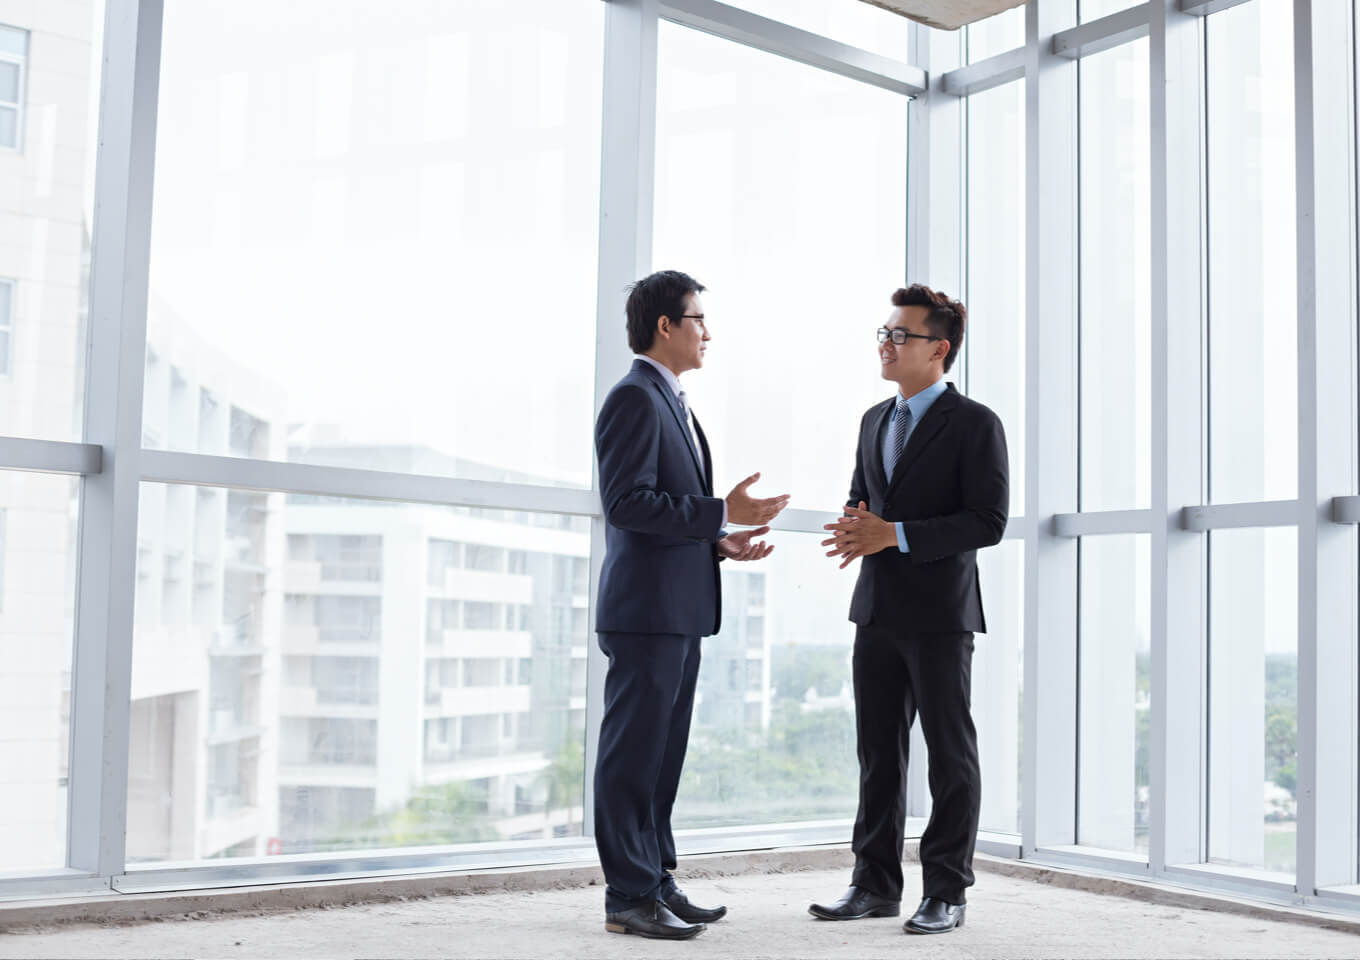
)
(950, 489)
(662, 522)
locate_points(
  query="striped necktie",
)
(897, 436)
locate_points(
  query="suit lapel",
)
(708, 456)
(926, 431)
(669, 397)
(873, 457)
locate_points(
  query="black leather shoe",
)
(856, 904)
(679, 905)
(935, 916)
(652, 920)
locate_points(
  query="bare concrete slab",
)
(1009, 916)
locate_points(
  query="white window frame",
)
(18, 105)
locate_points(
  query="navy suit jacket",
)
(662, 522)
(950, 489)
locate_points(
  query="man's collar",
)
(920, 402)
(671, 379)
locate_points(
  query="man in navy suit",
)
(930, 488)
(660, 592)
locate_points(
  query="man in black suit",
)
(659, 593)
(930, 488)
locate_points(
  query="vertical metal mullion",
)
(101, 673)
(936, 238)
(1048, 811)
(1177, 595)
(627, 180)
(919, 245)
(1326, 573)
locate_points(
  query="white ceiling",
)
(948, 14)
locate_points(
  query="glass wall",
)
(1253, 698)
(38, 516)
(993, 356)
(397, 215)
(998, 686)
(998, 34)
(773, 738)
(860, 24)
(316, 674)
(49, 83)
(1115, 411)
(799, 278)
(993, 365)
(1253, 330)
(1114, 694)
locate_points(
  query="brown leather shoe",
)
(679, 905)
(856, 904)
(653, 920)
(935, 916)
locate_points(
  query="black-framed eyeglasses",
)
(900, 336)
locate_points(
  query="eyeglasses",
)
(900, 336)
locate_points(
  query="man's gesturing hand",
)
(744, 509)
(858, 534)
(739, 545)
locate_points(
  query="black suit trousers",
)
(648, 703)
(899, 675)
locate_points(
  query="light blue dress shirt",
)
(918, 405)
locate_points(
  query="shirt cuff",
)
(901, 537)
(722, 527)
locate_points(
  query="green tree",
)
(443, 813)
(564, 779)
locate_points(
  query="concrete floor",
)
(1008, 917)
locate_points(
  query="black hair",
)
(662, 294)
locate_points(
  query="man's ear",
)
(663, 325)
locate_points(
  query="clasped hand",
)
(858, 534)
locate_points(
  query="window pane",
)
(773, 736)
(997, 34)
(37, 589)
(1253, 697)
(994, 348)
(1095, 9)
(849, 21)
(1115, 332)
(44, 214)
(9, 82)
(13, 41)
(1253, 348)
(998, 682)
(1114, 693)
(396, 217)
(299, 686)
(9, 127)
(799, 278)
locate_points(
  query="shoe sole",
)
(908, 928)
(893, 911)
(620, 928)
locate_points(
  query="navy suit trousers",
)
(648, 702)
